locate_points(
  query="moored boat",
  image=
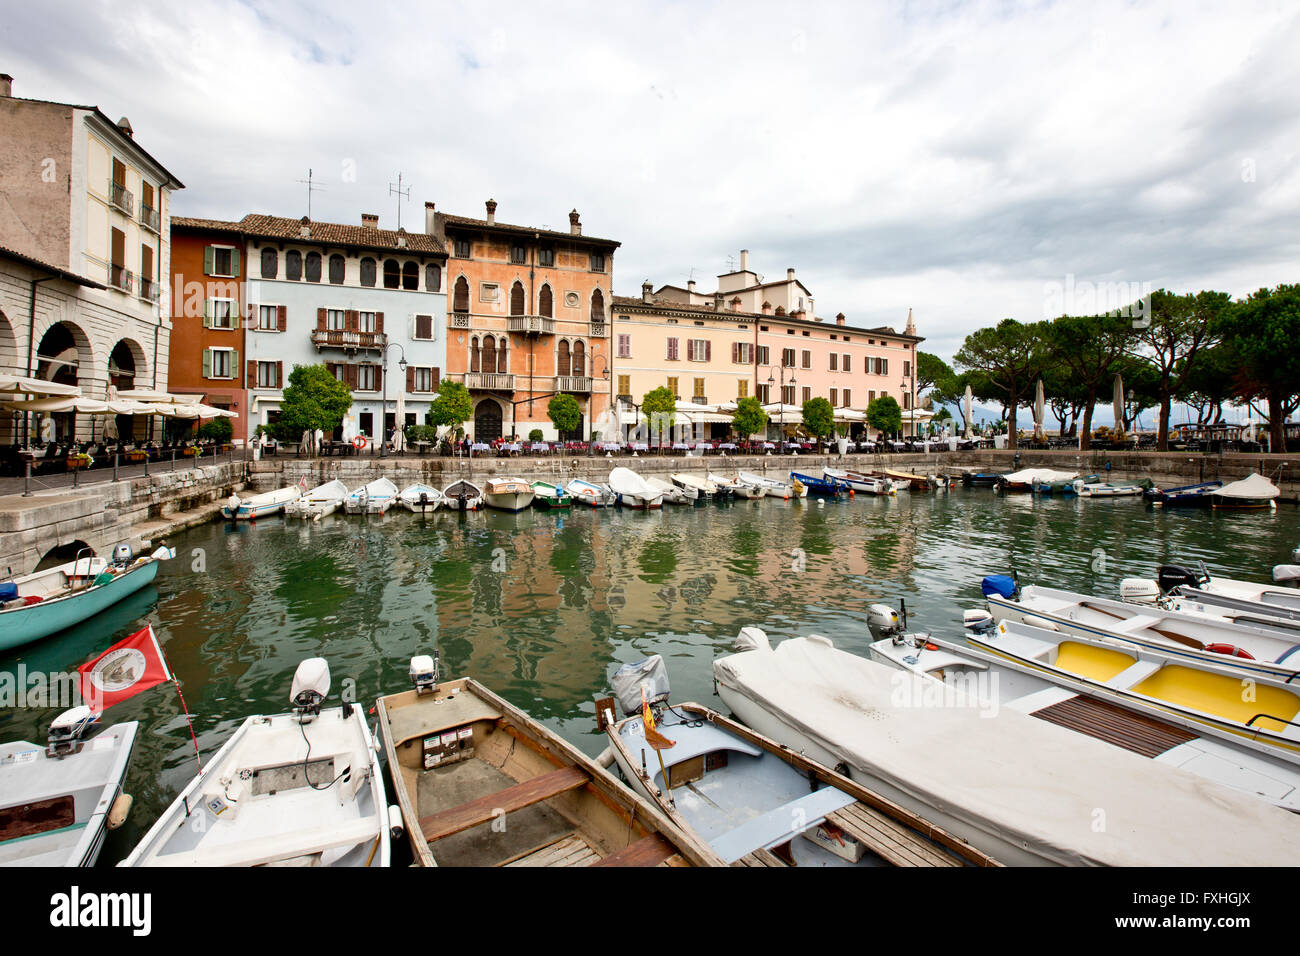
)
(507, 494)
(821, 487)
(672, 495)
(775, 488)
(632, 491)
(462, 495)
(912, 481)
(420, 498)
(1184, 496)
(372, 498)
(548, 496)
(320, 501)
(590, 493)
(260, 506)
(1024, 480)
(1251, 493)
(859, 482)
(1103, 489)
(703, 488)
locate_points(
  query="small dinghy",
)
(420, 498)
(260, 506)
(547, 496)
(507, 494)
(1025, 480)
(672, 495)
(821, 487)
(752, 801)
(57, 801)
(1102, 489)
(296, 789)
(462, 496)
(320, 501)
(1184, 496)
(912, 481)
(1257, 602)
(632, 491)
(736, 487)
(1252, 492)
(373, 498)
(773, 487)
(590, 493)
(703, 488)
(861, 483)
(480, 783)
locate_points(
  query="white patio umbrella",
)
(1039, 401)
(399, 420)
(23, 385)
(110, 428)
(47, 429)
(970, 397)
(1117, 402)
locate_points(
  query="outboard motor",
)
(122, 555)
(1170, 576)
(884, 622)
(1001, 585)
(752, 639)
(424, 672)
(629, 680)
(978, 621)
(311, 685)
(1287, 574)
(68, 728)
(1139, 591)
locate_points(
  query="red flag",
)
(123, 670)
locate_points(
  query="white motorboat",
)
(58, 800)
(507, 494)
(1025, 479)
(1231, 597)
(944, 756)
(773, 487)
(320, 501)
(672, 495)
(260, 506)
(372, 498)
(702, 487)
(633, 491)
(736, 487)
(1096, 712)
(866, 484)
(1252, 492)
(420, 498)
(590, 493)
(296, 789)
(462, 495)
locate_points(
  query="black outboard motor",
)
(1170, 576)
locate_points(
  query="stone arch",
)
(9, 346)
(488, 419)
(128, 365)
(64, 354)
(62, 554)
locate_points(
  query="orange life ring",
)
(1231, 650)
(359, 443)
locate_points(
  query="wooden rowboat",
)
(480, 783)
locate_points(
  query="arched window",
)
(293, 265)
(312, 271)
(460, 302)
(579, 359)
(337, 267)
(270, 263)
(501, 356)
(473, 354)
(489, 354)
(392, 274)
(368, 272)
(517, 299)
(545, 302)
(597, 306)
(562, 359)
(410, 277)
(433, 278)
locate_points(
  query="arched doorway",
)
(58, 359)
(487, 421)
(124, 364)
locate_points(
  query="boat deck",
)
(1116, 725)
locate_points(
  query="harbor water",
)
(542, 606)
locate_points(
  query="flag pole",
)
(177, 684)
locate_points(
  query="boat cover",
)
(1004, 772)
(630, 678)
(1030, 475)
(1252, 486)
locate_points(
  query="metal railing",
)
(120, 277)
(149, 290)
(492, 381)
(150, 218)
(344, 339)
(572, 383)
(121, 197)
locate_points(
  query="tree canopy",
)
(564, 412)
(819, 417)
(1260, 334)
(1012, 355)
(885, 415)
(313, 399)
(451, 406)
(749, 418)
(660, 409)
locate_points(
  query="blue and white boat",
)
(1184, 496)
(38, 605)
(591, 493)
(823, 487)
(420, 498)
(260, 506)
(374, 498)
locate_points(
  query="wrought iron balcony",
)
(150, 218)
(351, 341)
(119, 277)
(537, 324)
(490, 381)
(149, 290)
(572, 383)
(699, 400)
(121, 197)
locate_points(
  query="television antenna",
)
(401, 194)
(311, 187)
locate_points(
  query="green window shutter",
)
(207, 313)
(234, 316)
(207, 363)
(234, 263)
(208, 253)
(234, 364)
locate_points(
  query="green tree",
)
(1211, 383)
(885, 415)
(930, 371)
(1012, 355)
(659, 405)
(1261, 333)
(749, 418)
(313, 399)
(819, 417)
(565, 413)
(451, 406)
(219, 429)
(1086, 350)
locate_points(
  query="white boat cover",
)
(629, 680)
(625, 481)
(1007, 773)
(1252, 486)
(1030, 475)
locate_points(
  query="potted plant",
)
(81, 460)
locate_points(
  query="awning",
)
(22, 385)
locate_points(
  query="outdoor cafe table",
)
(540, 446)
(480, 446)
(608, 446)
(640, 446)
(511, 447)
(767, 444)
(728, 446)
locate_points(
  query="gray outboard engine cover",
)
(1170, 576)
(629, 679)
(122, 554)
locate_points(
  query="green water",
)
(541, 606)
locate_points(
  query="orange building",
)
(207, 343)
(528, 318)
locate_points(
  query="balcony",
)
(534, 324)
(699, 400)
(149, 290)
(489, 381)
(460, 320)
(572, 383)
(119, 277)
(121, 197)
(150, 218)
(598, 329)
(350, 341)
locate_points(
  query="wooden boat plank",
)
(892, 841)
(471, 814)
(759, 858)
(1116, 725)
(571, 850)
(648, 851)
(408, 722)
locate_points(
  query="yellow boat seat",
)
(1221, 695)
(1096, 663)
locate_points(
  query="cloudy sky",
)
(968, 160)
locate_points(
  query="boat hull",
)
(23, 625)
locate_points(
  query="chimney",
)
(690, 286)
(839, 318)
(369, 220)
(304, 229)
(719, 303)
(575, 227)
(401, 238)
(6, 85)
(744, 260)
(124, 125)
(491, 210)
(646, 291)
(767, 308)
(428, 219)
(789, 275)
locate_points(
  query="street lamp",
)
(591, 400)
(793, 382)
(383, 408)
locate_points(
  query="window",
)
(221, 261)
(368, 272)
(546, 257)
(517, 255)
(367, 378)
(742, 353)
(671, 350)
(835, 361)
(742, 388)
(221, 314)
(424, 327)
(270, 263)
(883, 364)
(807, 359)
(219, 363)
(562, 358)
(432, 278)
(835, 394)
(488, 292)
(625, 385)
(699, 350)
(410, 277)
(579, 359)
(907, 370)
(764, 394)
(807, 394)
(699, 388)
(763, 356)
(337, 268)
(806, 332)
(597, 262)
(268, 374)
(270, 318)
(907, 400)
(460, 300)
(422, 380)
(597, 306)
(473, 354)
(546, 302)
(847, 400)
(312, 271)
(787, 358)
(847, 362)
(366, 322)
(624, 346)
(517, 299)
(392, 274)
(672, 387)
(293, 265)
(336, 319)
(462, 248)
(787, 395)
(871, 396)
(489, 354)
